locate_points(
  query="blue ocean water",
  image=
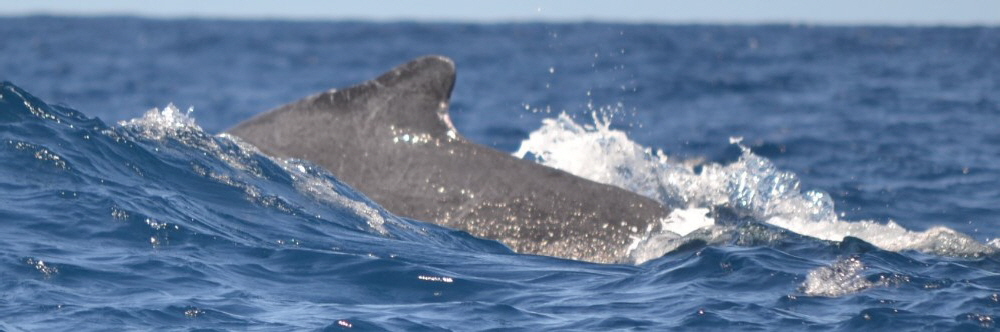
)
(826, 178)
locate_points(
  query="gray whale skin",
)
(392, 139)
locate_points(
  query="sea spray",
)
(751, 186)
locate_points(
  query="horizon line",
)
(510, 20)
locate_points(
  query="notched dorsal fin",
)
(413, 96)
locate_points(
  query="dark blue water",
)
(830, 178)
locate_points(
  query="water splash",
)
(752, 187)
(170, 122)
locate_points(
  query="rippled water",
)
(821, 177)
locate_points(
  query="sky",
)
(891, 12)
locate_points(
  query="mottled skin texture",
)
(391, 138)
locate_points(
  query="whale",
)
(392, 139)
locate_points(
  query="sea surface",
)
(820, 178)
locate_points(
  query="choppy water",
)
(822, 177)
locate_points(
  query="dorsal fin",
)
(413, 96)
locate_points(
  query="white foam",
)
(158, 124)
(171, 123)
(596, 153)
(685, 221)
(840, 278)
(751, 186)
(680, 226)
(845, 276)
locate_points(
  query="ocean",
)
(819, 177)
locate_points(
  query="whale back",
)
(392, 139)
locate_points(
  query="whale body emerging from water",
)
(392, 139)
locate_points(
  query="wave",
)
(167, 161)
(164, 173)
